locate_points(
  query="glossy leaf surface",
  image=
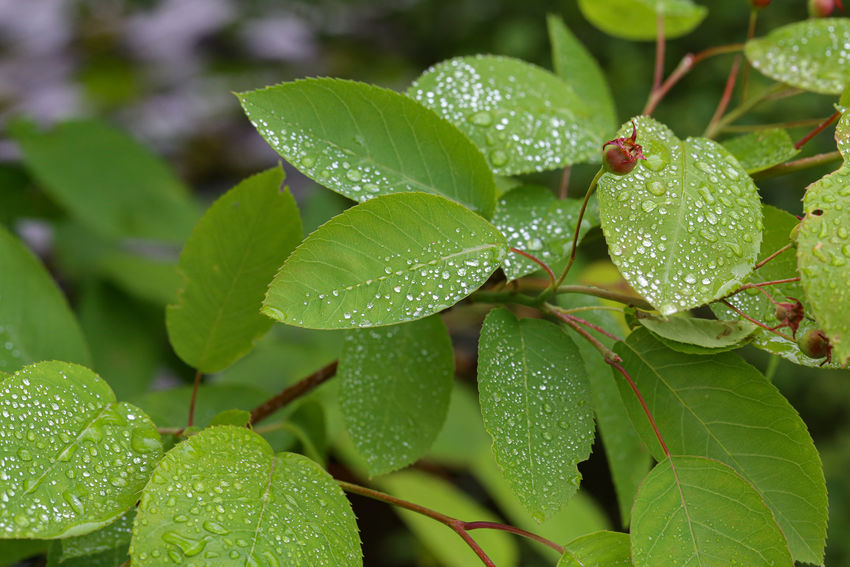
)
(684, 226)
(108, 181)
(777, 227)
(760, 150)
(699, 336)
(72, 458)
(722, 408)
(258, 508)
(227, 263)
(599, 549)
(574, 63)
(363, 141)
(106, 547)
(451, 551)
(389, 260)
(394, 390)
(26, 288)
(823, 249)
(534, 221)
(637, 19)
(522, 118)
(812, 54)
(698, 511)
(535, 401)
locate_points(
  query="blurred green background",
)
(165, 70)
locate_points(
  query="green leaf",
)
(264, 508)
(232, 254)
(637, 19)
(600, 549)
(777, 227)
(108, 181)
(693, 510)
(464, 415)
(72, 458)
(394, 390)
(362, 141)
(574, 63)
(699, 336)
(27, 289)
(811, 54)
(106, 547)
(628, 458)
(580, 516)
(684, 226)
(535, 401)
(760, 150)
(389, 260)
(437, 494)
(823, 249)
(523, 118)
(14, 550)
(534, 221)
(723, 408)
(124, 336)
(237, 417)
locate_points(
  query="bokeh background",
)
(165, 71)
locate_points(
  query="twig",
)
(797, 165)
(460, 527)
(755, 321)
(751, 32)
(727, 94)
(565, 182)
(660, 43)
(774, 255)
(818, 129)
(619, 368)
(584, 203)
(778, 89)
(293, 392)
(772, 126)
(586, 323)
(539, 262)
(606, 294)
(191, 420)
(606, 352)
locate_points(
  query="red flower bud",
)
(623, 155)
(823, 8)
(790, 315)
(759, 3)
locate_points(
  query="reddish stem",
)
(797, 165)
(191, 420)
(755, 321)
(497, 526)
(772, 282)
(537, 261)
(818, 129)
(727, 94)
(608, 354)
(593, 326)
(565, 182)
(660, 44)
(772, 256)
(293, 392)
(651, 419)
(751, 32)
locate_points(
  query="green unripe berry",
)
(814, 343)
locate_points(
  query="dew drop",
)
(354, 175)
(187, 545)
(498, 158)
(482, 118)
(74, 501)
(145, 440)
(656, 188)
(215, 528)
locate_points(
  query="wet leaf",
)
(777, 227)
(699, 336)
(106, 547)
(224, 494)
(812, 54)
(574, 63)
(823, 249)
(72, 459)
(599, 549)
(26, 288)
(389, 260)
(108, 181)
(227, 263)
(760, 150)
(534, 221)
(522, 118)
(684, 226)
(535, 401)
(363, 141)
(435, 493)
(693, 510)
(637, 19)
(395, 384)
(722, 408)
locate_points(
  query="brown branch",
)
(818, 129)
(293, 392)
